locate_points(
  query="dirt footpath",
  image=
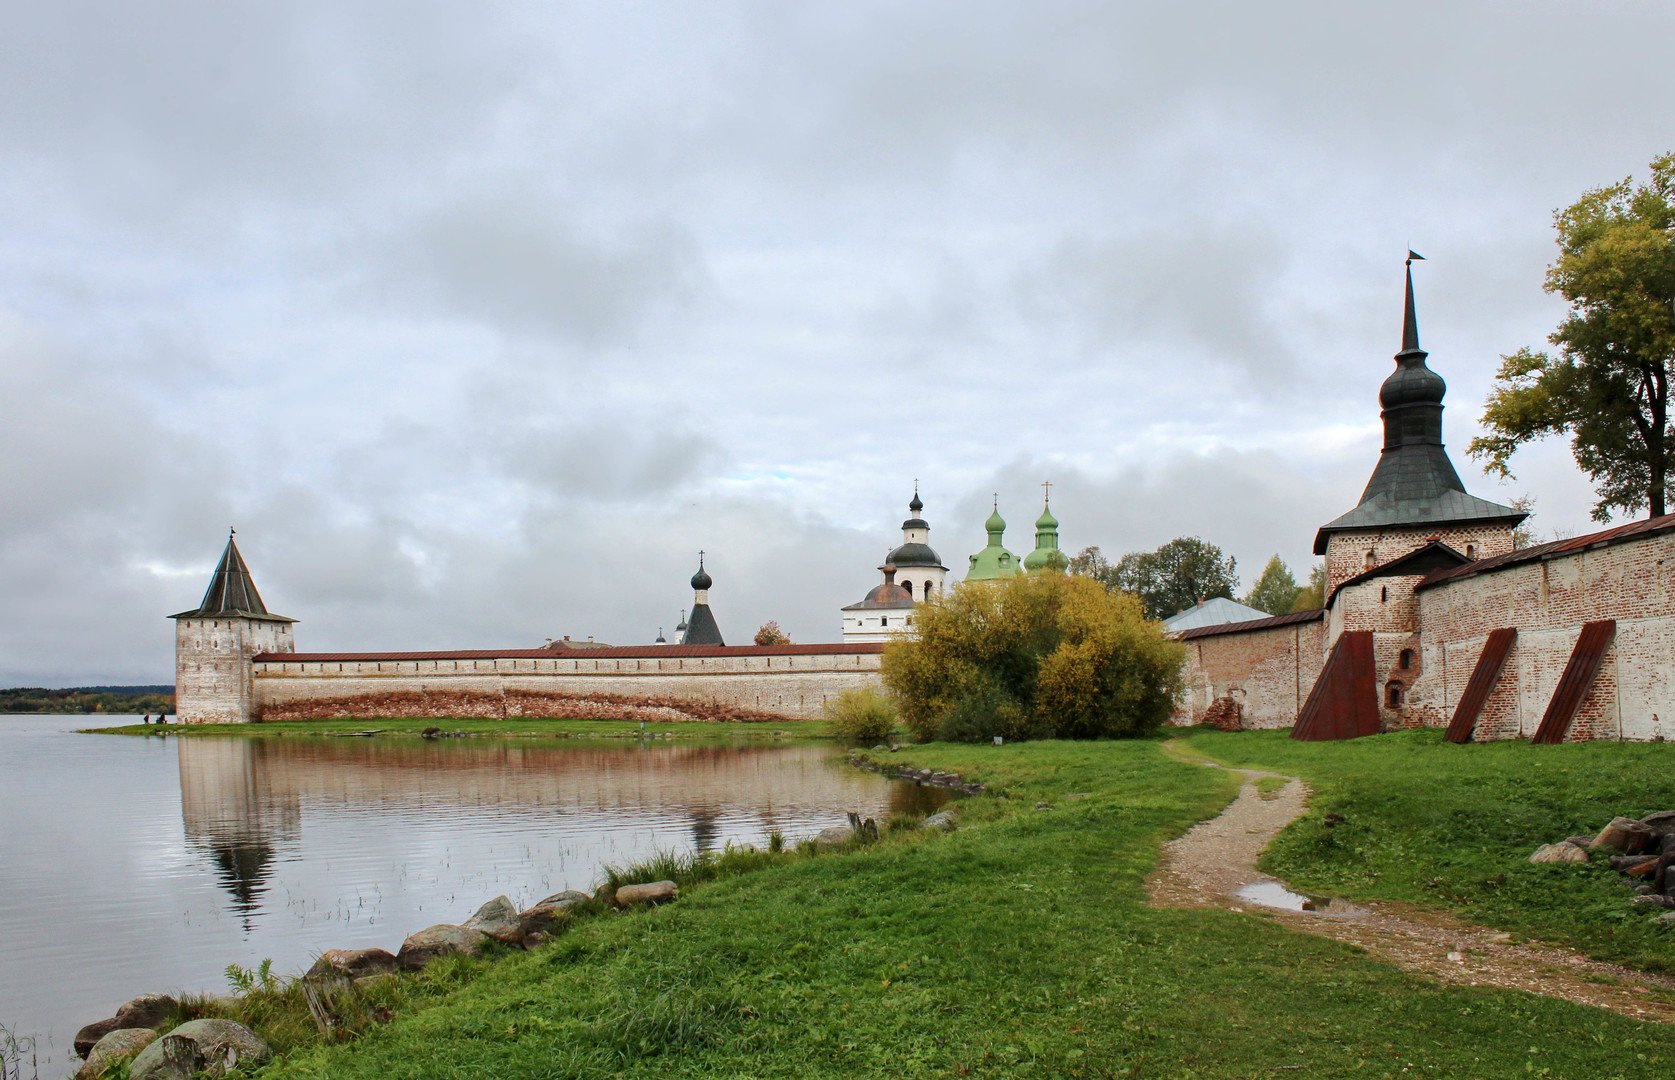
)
(1216, 859)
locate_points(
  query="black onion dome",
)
(1412, 383)
(701, 580)
(915, 555)
(916, 505)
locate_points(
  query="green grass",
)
(1269, 787)
(1428, 822)
(1018, 945)
(517, 727)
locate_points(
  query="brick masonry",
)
(1427, 639)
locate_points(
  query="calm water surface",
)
(130, 865)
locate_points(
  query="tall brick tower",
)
(1414, 495)
(213, 644)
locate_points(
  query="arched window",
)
(908, 585)
(884, 620)
(1393, 695)
(1407, 659)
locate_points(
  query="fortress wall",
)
(1389, 608)
(1547, 601)
(212, 665)
(1266, 673)
(752, 687)
(1346, 553)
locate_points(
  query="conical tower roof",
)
(232, 592)
(1414, 482)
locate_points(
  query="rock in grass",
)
(1654, 900)
(440, 940)
(1625, 835)
(1579, 841)
(1662, 822)
(499, 920)
(1635, 866)
(942, 819)
(836, 836)
(546, 918)
(211, 1047)
(655, 892)
(146, 1011)
(1563, 852)
(352, 963)
(112, 1047)
(1667, 918)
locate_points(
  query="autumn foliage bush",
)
(861, 717)
(1039, 656)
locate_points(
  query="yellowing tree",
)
(1038, 656)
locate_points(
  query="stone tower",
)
(1414, 496)
(213, 644)
(701, 628)
(917, 563)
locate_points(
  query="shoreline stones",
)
(434, 942)
(211, 1047)
(1562, 852)
(112, 1047)
(499, 919)
(150, 1011)
(654, 892)
(352, 964)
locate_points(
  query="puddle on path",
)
(1275, 895)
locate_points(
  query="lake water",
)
(130, 865)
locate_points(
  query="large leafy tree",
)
(1035, 656)
(1608, 386)
(1176, 575)
(1091, 562)
(1276, 591)
(1312, 595)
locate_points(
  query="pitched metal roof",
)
(1414, 482)
(1634, 530)
(1268, 623)
(1433, 555)
(614, 652)
(701, 628)
(1213, 612)
(231, 593)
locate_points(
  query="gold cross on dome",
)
(1046, 491)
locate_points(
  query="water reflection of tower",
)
(233, 816)
(706, 827)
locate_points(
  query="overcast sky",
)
(479, 321)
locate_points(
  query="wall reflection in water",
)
(245, 801)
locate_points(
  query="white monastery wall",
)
(656, 687)
(1547, 601)
(212, 670)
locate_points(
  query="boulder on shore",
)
(211, 1047)
(146, 1011)
(499, 920)
(654, 892)
(551, 914)
(1626, 835)
(114, 1046)
(942, 819)
(1562, 852)
(352, 963)
(1662, 822)
(836, 836)
(437, 941)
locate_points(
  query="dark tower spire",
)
(1415, 482)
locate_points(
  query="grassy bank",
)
(483, 727)
(1418, 819)
(1019, 945)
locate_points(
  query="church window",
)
(1471, 551)
(908, 585)
(1384, 594)
(1393, 695)
(884, 621)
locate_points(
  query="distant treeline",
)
(88, 699)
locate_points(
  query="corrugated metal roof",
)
(1268, 623)
(618, 652)
(1634, 530)
(1213, 612)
